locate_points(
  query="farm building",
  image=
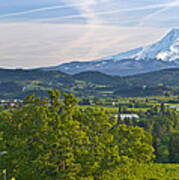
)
(128, 116)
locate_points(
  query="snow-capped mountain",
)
(166, 49)
(160, 55)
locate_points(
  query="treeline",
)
(162, 123)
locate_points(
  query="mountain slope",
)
(161, 55)
(167, 49)
(112, 67)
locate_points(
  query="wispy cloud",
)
(86, 9)
(89, 13)
(152, 15)
(158, 12)
(39, 10)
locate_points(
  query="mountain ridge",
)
(160, 55)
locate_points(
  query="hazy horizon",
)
(51, 32)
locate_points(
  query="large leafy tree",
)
(53, 139)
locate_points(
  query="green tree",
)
(53, 139)
(174, 148)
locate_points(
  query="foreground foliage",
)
(151, 171)
(54, 139)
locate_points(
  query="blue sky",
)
(49, 32)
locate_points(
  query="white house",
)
(129, 116)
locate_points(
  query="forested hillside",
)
(166, 77)
(20, 83)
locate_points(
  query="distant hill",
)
(20, 83)
(30, 75)
(167, 77)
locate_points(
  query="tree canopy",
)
(52, 138)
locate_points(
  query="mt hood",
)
(166, 49)
(161, 55)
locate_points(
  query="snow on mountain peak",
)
(166, 49)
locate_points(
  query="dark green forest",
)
(17, 84)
